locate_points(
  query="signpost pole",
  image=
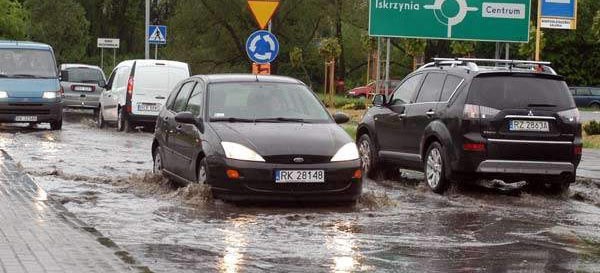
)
(102, 58)
(387, 66)
(538, 34)
(378, 72)
(507, 51)
(156, 52)
(114, 57)
(147, 43)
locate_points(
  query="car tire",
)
(157, 166)
(56, 125)
(435, 168)
(100, 119)
(202, 172)
(123, 123)
(562, 185)
(369, 157)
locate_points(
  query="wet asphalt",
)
(398, 226)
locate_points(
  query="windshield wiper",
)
(231, 120)
(280, 119)
(541, 105)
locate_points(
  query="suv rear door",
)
(522, 116)
(422, 112)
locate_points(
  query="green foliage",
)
(61, 24)
(14, 20)
(596, 26)
(330, 48)
(527, 50)
(463, 48)
(592, 128)
(344, 103)
(414, 47)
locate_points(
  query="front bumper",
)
(44, 111)
(257, 182)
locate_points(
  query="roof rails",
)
(471, 64)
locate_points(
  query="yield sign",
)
(263, 10)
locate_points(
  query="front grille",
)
(289, 159)
(25, 104)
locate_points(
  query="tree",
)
(297, 61)
(463, 48)
(596, 26)
(14, 20)
(415, 48)
(527, 50)
(61, 24)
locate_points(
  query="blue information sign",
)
(262, 47)
(558, 8)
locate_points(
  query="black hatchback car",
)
(256, 138)
(458, 121)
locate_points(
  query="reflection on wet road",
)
(397, 226)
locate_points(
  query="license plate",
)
(25, 118)
(83, 88)
(300, 176)
(529, 126)
(146, 107)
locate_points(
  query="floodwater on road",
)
(398, 226)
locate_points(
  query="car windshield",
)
(85, 75)
(27, 63)
(505, 92)
(264, 102)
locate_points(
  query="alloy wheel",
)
(365, 155)
(157, 162)
(434, 168)
(202, 174)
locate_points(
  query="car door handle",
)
(160, 98)
(430, 113)
(166, 118)
(403, 115)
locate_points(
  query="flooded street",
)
(103, 177)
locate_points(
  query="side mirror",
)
(64, 76)
(341, 118)
(185, 118)
(379, 100)
(102, 84)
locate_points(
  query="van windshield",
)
(85, 75)
(27, 63)
(510, 92)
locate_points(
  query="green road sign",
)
(479, 20)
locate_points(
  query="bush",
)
(592, 128)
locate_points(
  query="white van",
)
(136, 91)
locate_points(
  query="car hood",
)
(271, 139)
(28, 88)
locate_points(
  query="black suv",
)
(457, 121)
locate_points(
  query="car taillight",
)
(570, 116)
(61, 92)
(474, 147)
(472, 111)
(130, 87)
(578, 150)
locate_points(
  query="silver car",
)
(82, 85)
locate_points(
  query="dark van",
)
(30, 91)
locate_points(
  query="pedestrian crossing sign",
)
(157, 35)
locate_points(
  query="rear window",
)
(159, 77)
(85, 75)
(506, 92)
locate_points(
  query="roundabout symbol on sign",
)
(463, 8)
(262, 47)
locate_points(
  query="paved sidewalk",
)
(39, 235)
(590, 164)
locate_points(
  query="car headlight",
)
(348, 152)
(240, 152)
(3, 94)
(50, 95)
